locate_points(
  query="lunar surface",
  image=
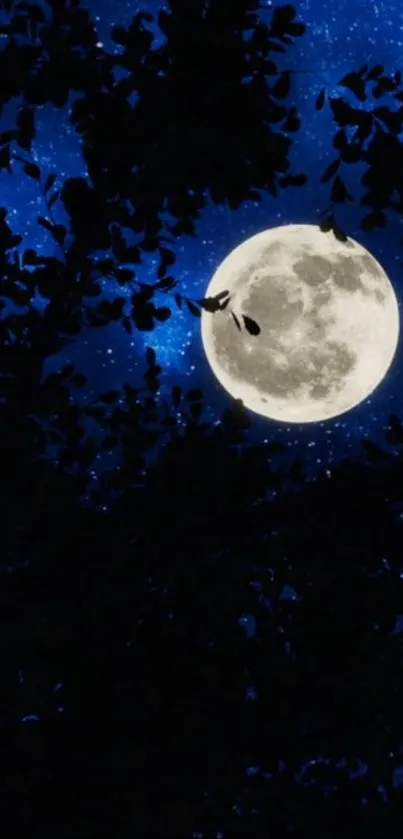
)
(329, 324)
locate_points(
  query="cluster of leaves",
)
(121, 647)
(374, 141)
(121, 144)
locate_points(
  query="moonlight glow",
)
(329, 324)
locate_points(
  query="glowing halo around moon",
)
(329, 323)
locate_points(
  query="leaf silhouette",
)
(343, 113)
(131, 393)
(355, 83)
(394, 435)
(127, 325)
(282, 86)
(53, 198)
(209, 304)
(33, 171)
(196, 410)
(331, 170)
(59, 233)
(320, 101)
(376, 71)
(380, 218)
(25, 128)
(151, 356)
(120, 35)
(5, 158)
(124, 276)
(384, 85)
(167, 258)
(293, 180)
(292, 123)
(167, 283)
(194, 394)
(339, 192)
(392, 119)
(339, 233)
(340, 140)
(252, 327)
(176, 395)
(224, 304)
(163, 313)
(368, 222)
(351, 154)
(79, 380)
(44, 222)
(327, 224)
(50, 181)
(236, 321)
(375, 454)
(109, 397)
(193, 309)
(29, 257)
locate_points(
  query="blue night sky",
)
(341, 36)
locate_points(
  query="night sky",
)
(341, 36)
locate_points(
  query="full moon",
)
(329, 322)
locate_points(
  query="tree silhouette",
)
(198, 651)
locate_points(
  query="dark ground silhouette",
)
(134, 701)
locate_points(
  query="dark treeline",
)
(188, 654)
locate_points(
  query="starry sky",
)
(341, 36)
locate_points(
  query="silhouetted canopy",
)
(204, 643)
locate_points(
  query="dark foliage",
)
(133, 701)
